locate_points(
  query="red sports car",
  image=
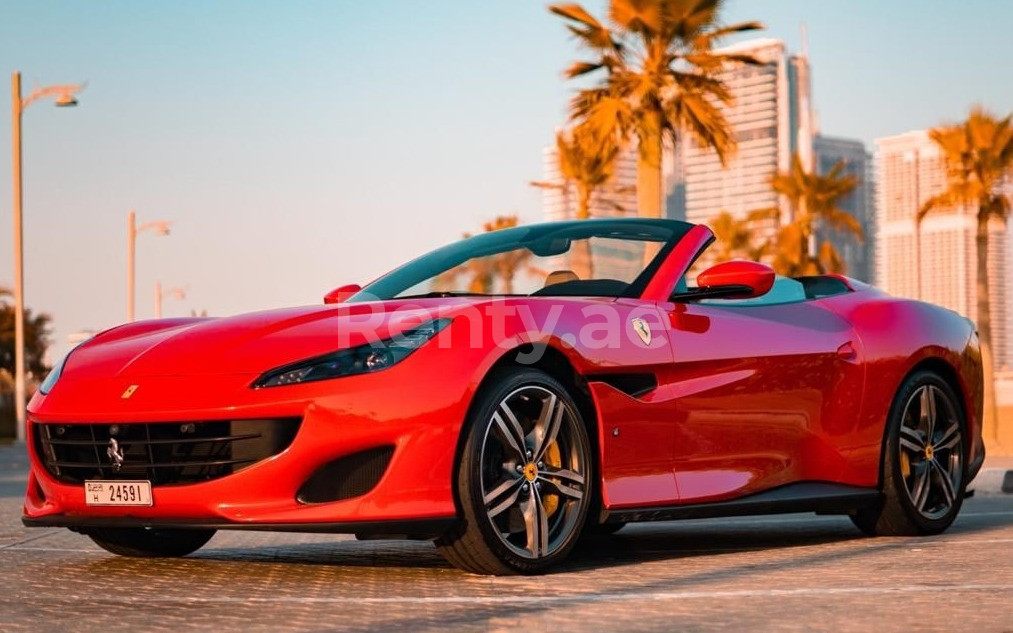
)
(506, 394)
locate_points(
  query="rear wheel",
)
(923, 462)
(150, 542)
(524, 482)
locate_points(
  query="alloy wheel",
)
(534, 472)
(931, 451)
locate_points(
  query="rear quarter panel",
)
(896, 336)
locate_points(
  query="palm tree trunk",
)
(581, 260)
(649, 168)
(508, 280)
(584, 203)
(989, 416)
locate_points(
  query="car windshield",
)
(609, 258)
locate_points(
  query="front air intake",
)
(347, 477)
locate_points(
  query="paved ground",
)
(790, 573)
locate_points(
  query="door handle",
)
(847, 352)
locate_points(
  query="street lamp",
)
(63, 97)
(160, 228)
(175, 293)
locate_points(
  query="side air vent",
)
(347, 477)
(633, 385)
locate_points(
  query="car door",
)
(761, 394)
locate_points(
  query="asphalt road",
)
(786, 573)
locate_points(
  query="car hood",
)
(245, 344)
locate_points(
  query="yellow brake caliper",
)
(905, 464)
(555, 459)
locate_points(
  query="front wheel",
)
(150, 542)
(525, 478)
(923, 462)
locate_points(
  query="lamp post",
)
(63, 97)
(175, 293)
(161, 228)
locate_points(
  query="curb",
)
(993, 481)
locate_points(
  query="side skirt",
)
(808, 496)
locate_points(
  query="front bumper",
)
(390, 529)
(420, 417)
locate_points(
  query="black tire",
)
(923, 469)
(150, 542)
(593, 528)
(521, 530)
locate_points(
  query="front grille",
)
(164, 453)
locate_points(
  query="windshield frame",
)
(666, 232)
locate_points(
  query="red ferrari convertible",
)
(509, 393)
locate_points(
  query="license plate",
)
(117, 493)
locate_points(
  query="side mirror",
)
(341, 294)
(736, 280)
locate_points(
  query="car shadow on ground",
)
(404, 569)
(634, 544)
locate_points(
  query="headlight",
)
(363, 359)
(53, 376)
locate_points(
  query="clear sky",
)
(297, 146)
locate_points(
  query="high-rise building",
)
(937, 264)
(771, 120)
(856, 253)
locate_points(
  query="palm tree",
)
(813, 200)
(37, 340)
(506, 265)
(586, 163)
(735, 237)
(482, 272)
(978, 154)
(660, 78)
(582, 165)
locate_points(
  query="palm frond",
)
(576, 13)
(589, 31)
(577, 69)
(843, 221)
(705, 40)
(643, 17)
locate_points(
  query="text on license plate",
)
(117, 493)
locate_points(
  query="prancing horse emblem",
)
(115, 453)
(643, 330)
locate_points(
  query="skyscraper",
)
(771, 120)
(857, 253)
(939, 263)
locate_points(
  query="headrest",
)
(560, 277)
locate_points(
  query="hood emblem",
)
(129, 392)
(643, 330)
(115, 454)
